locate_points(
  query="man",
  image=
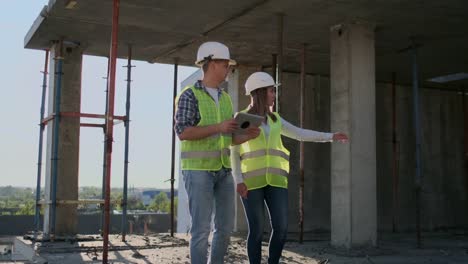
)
(204, 124)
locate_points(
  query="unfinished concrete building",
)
(390, 74)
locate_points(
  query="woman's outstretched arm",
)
(301, 134)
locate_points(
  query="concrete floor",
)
(161, 248)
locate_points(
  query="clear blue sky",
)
(21, 79)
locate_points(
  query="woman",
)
(261, 166)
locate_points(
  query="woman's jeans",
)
(210, 192)
(276, 200)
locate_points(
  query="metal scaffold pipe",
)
(127, 136)
(56, 130)
(41, 137)
(174, 94)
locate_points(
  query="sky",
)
(21, 79)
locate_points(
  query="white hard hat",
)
(259, 80)
(213, 51)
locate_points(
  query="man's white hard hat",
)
(213, 51)
(259, 80)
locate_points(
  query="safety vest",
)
(265, 161)
(211, 153)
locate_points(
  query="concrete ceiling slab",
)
(160, 31)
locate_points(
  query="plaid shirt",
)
(187, 113)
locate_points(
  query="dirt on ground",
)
(162, 248)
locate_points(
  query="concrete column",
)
(353, 165)
(69, 135)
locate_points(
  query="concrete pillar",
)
(353, 165)
(69, 135)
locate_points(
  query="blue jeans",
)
(276, 200)
(208, 190)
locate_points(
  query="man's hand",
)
(242, 190)
(340, 137)
(201, 132)
(228, 126)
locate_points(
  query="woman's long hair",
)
(259, 104)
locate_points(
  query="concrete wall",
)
(444, 198)
(18, 225)
(444, 194)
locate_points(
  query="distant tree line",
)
(21, 201)
(17, 200)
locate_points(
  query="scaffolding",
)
(109, 122)
(56, 116)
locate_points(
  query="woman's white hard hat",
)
(259, 80)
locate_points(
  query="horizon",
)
(89, 186)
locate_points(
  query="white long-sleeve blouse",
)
(287, 130)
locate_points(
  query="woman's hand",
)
(242, 190)
(340, 137)
(251, 133)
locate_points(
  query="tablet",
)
(247, 120)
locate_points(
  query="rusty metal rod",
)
(301, 146)
(465, 133)
(417, 129)
(103, 189)
(279, 60)
(92, 125)
(396, 180)
(274, 63)
(77, 114)
(110, 125)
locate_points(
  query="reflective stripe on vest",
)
(263, 152)
(210, 153)
(264, 171)
(204, 154)
(265, 161)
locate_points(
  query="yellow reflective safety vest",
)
(265, 161)
(211, 153)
